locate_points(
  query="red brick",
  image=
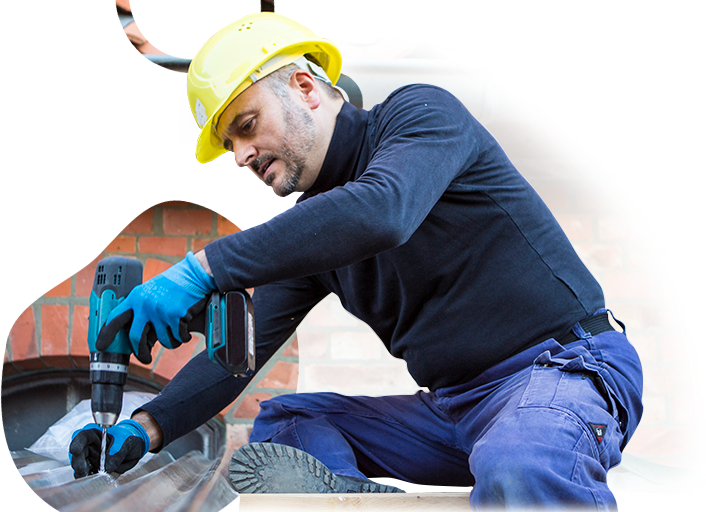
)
(58, 361)
(171, 204)
(173, 360)
(627, 285)
(226, 227)
(359, 378)
(688, 409)
(658, 318)
(250, 406)
(355, 345)
(162, 245)
(199, 243)
(613, 228)
(146, 367)
(679, 349)
(597, 197)
(330, 313)
(644, 257)
(84, 278)
(236, 436)
(668, 285)
(670, 379)
(577, 227)
(122, 244)
(55, 329)
(78, 346)
(655, 410)
(657, 315)
(30, 363)
(292, 350)
(555, 194)
(386, 356)
(667, 462)
(313, 344)
(23, 336)
(8, 368)
(600, 256)
(646, 346)
(664, 441)
(186, 222)
(283, 375)
(154, 267)
(60, 290)
(641, 317)
(143, 223)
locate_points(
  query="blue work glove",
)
(126, 443)
(160, 309)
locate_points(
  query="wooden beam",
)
(408, 502)
(376, 502)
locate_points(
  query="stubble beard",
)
(299, 138)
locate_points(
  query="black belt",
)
(592, 325)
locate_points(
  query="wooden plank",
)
(374, 501)
(642, 497)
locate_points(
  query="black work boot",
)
(276, 468)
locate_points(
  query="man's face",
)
(270, 134)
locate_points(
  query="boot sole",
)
(275, 468)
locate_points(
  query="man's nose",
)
(244, 154)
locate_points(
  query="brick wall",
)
(332, 351)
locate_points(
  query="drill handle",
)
(115, 277)
(199, 322)
(227, 323)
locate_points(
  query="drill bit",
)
(103, 445)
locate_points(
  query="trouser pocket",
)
(570, 382)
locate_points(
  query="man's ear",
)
(306, 88)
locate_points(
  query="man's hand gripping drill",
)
(158, 310)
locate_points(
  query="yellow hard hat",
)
(240, 54)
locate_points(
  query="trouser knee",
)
(521, 471)
(281, 413)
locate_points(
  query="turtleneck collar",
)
(339, 166)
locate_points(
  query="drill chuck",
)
(108, 377)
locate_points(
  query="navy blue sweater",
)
(425, 230)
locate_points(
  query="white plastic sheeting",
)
(157, 483)
(54, 443)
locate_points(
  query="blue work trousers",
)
(540, 429)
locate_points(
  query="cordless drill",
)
(115, 277)
(227, 324)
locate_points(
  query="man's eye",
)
(228, 145)
(247, 126)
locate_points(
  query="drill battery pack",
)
(230, 332)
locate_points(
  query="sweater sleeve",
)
(202, 388)
(422, 141)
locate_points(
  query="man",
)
(414, 217)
